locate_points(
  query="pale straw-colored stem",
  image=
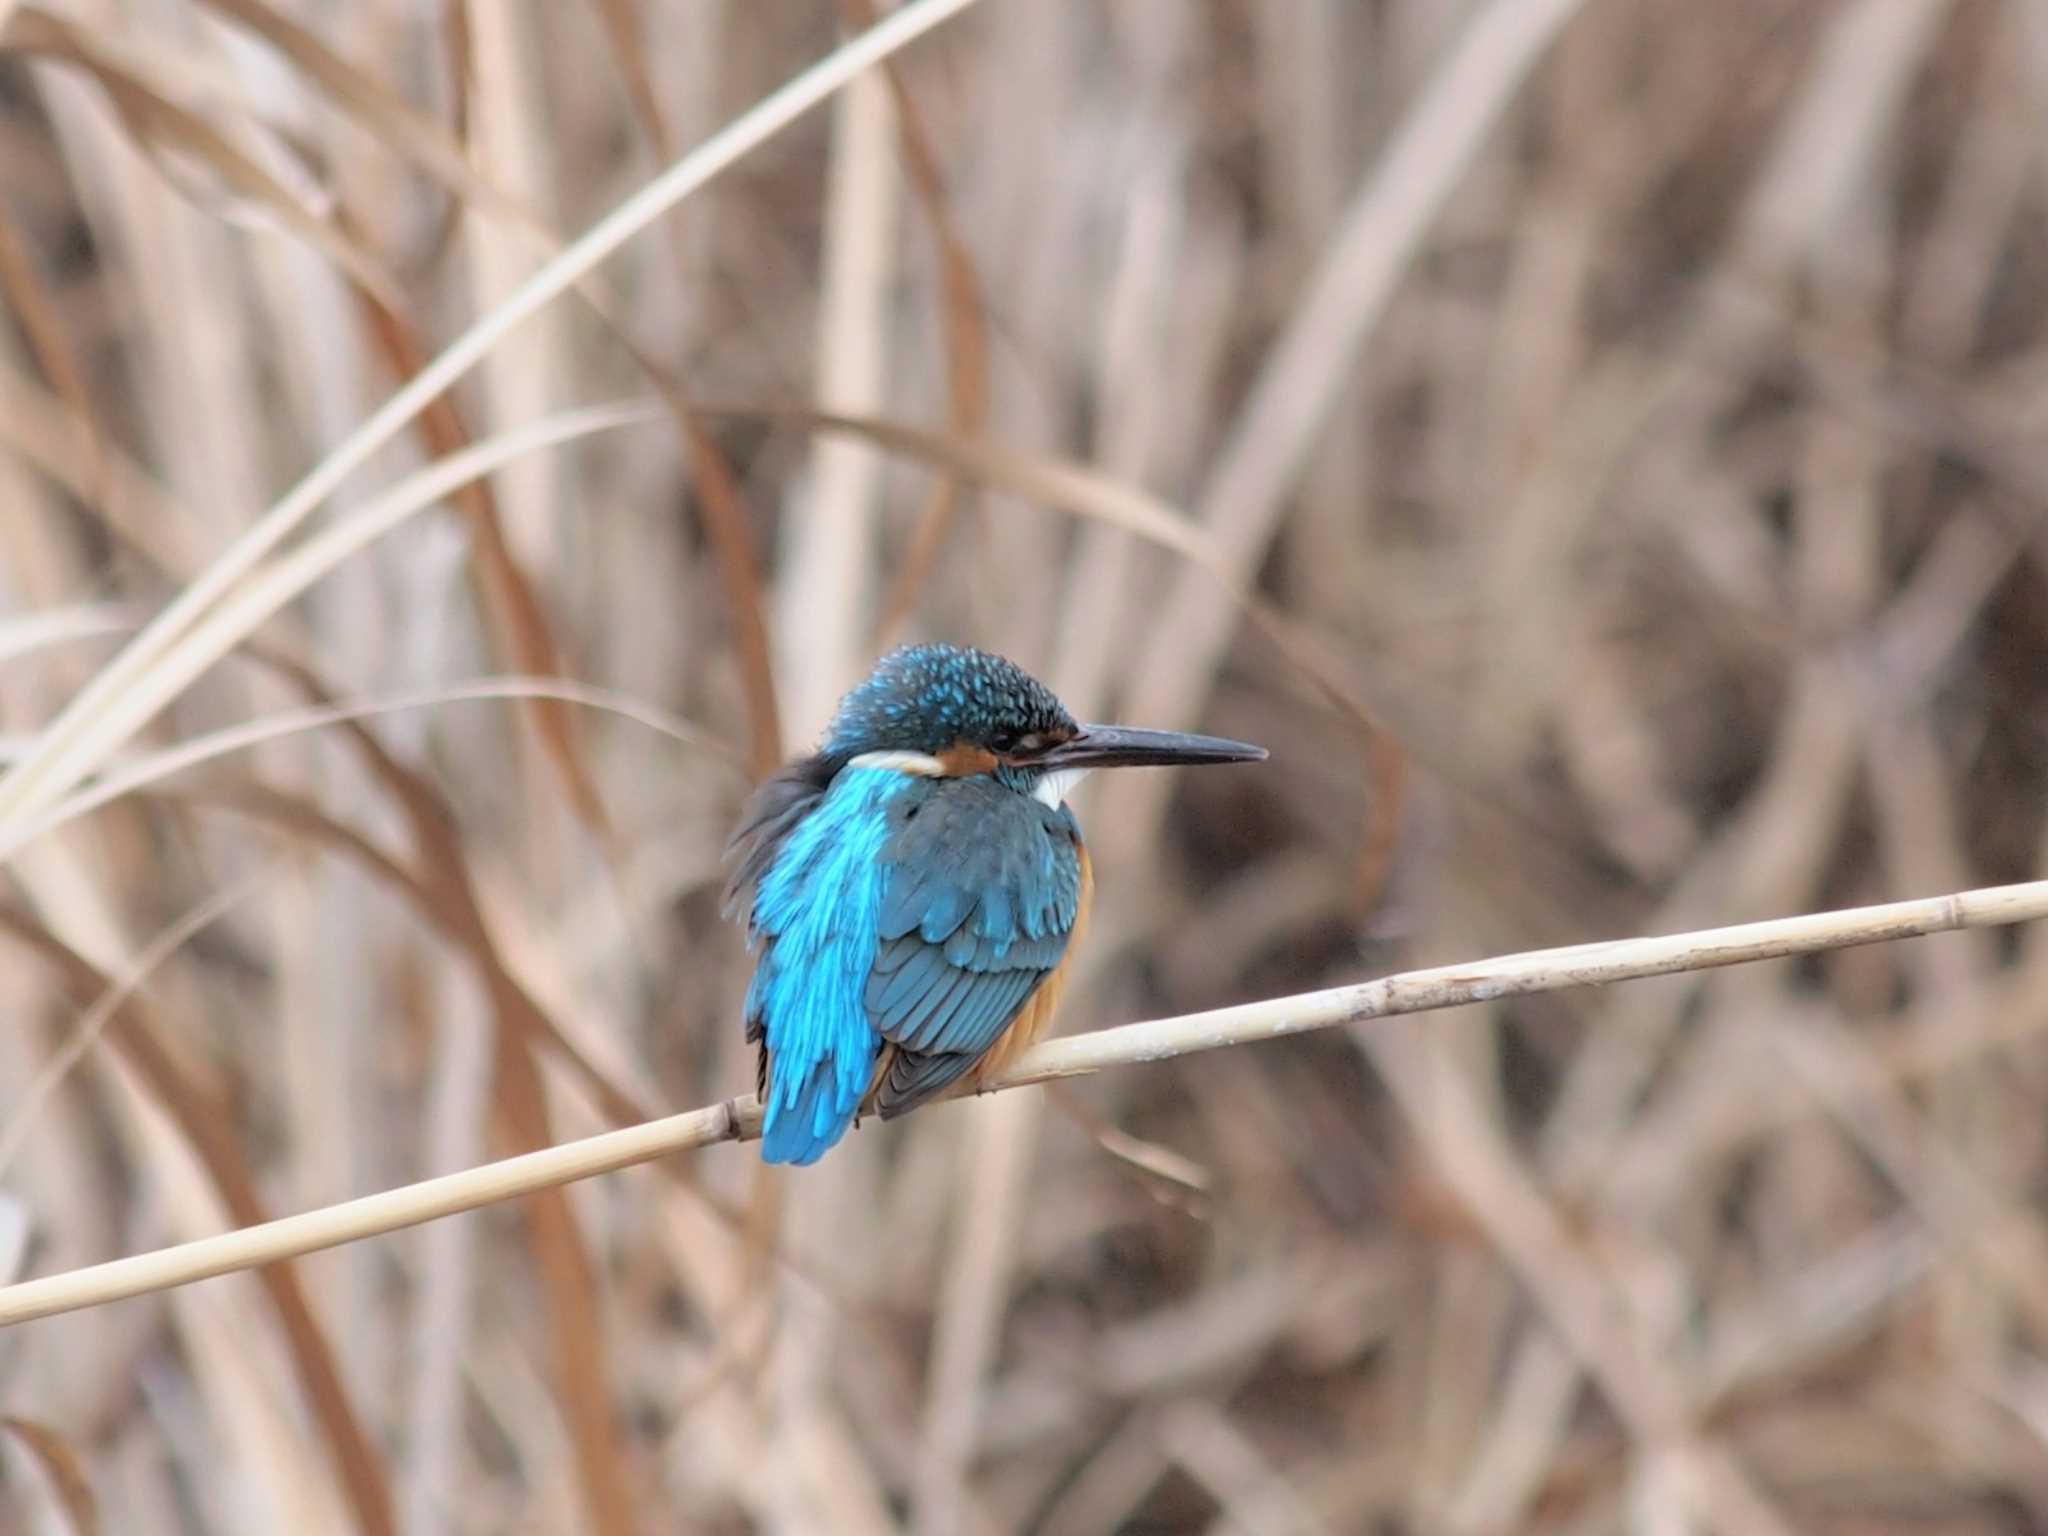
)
(109, 708)
(1448, 986)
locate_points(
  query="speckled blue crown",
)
(924, 698)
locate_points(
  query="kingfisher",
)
(913, 891)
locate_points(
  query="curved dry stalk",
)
(1448, 986)
(178, 661)
(90, 1024)
(154, 767)
(104, 713)
(266, 590)
(23, 634)
(62, 1466)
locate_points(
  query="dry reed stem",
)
(111, 707)
(1268, 445)
(70, 1486)
(1677, 520)
(92, 1023)
(827, 559)
(1074, 1056)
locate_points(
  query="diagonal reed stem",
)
(107, 711)
(1449, 986)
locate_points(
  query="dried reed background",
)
(1631, 407)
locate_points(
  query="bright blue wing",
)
(982, 886)
(817, 896)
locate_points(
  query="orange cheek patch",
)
(964, 759)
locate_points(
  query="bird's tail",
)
(803, 1127)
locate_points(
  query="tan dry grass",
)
(1622, 417)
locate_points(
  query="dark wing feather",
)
(914, 1078)
(983, 888)
(770, 815)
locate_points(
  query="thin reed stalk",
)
(1157, 1040)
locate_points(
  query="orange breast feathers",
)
(1034, 1019)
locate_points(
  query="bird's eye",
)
(1004, 742)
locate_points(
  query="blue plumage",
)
(921, 698)
(911, 886)
(915, 911)
(815, 918)
(982, 891)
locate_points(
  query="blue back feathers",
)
(815, 911)
(896, 910)
(983, 889)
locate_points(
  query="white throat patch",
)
(1052, 789)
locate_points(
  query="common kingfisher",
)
(914, 889)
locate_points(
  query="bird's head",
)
(946, 710)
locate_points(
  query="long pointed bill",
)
(1123, 746)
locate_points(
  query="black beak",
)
(1122, 746)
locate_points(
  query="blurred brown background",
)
(1633, 407)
